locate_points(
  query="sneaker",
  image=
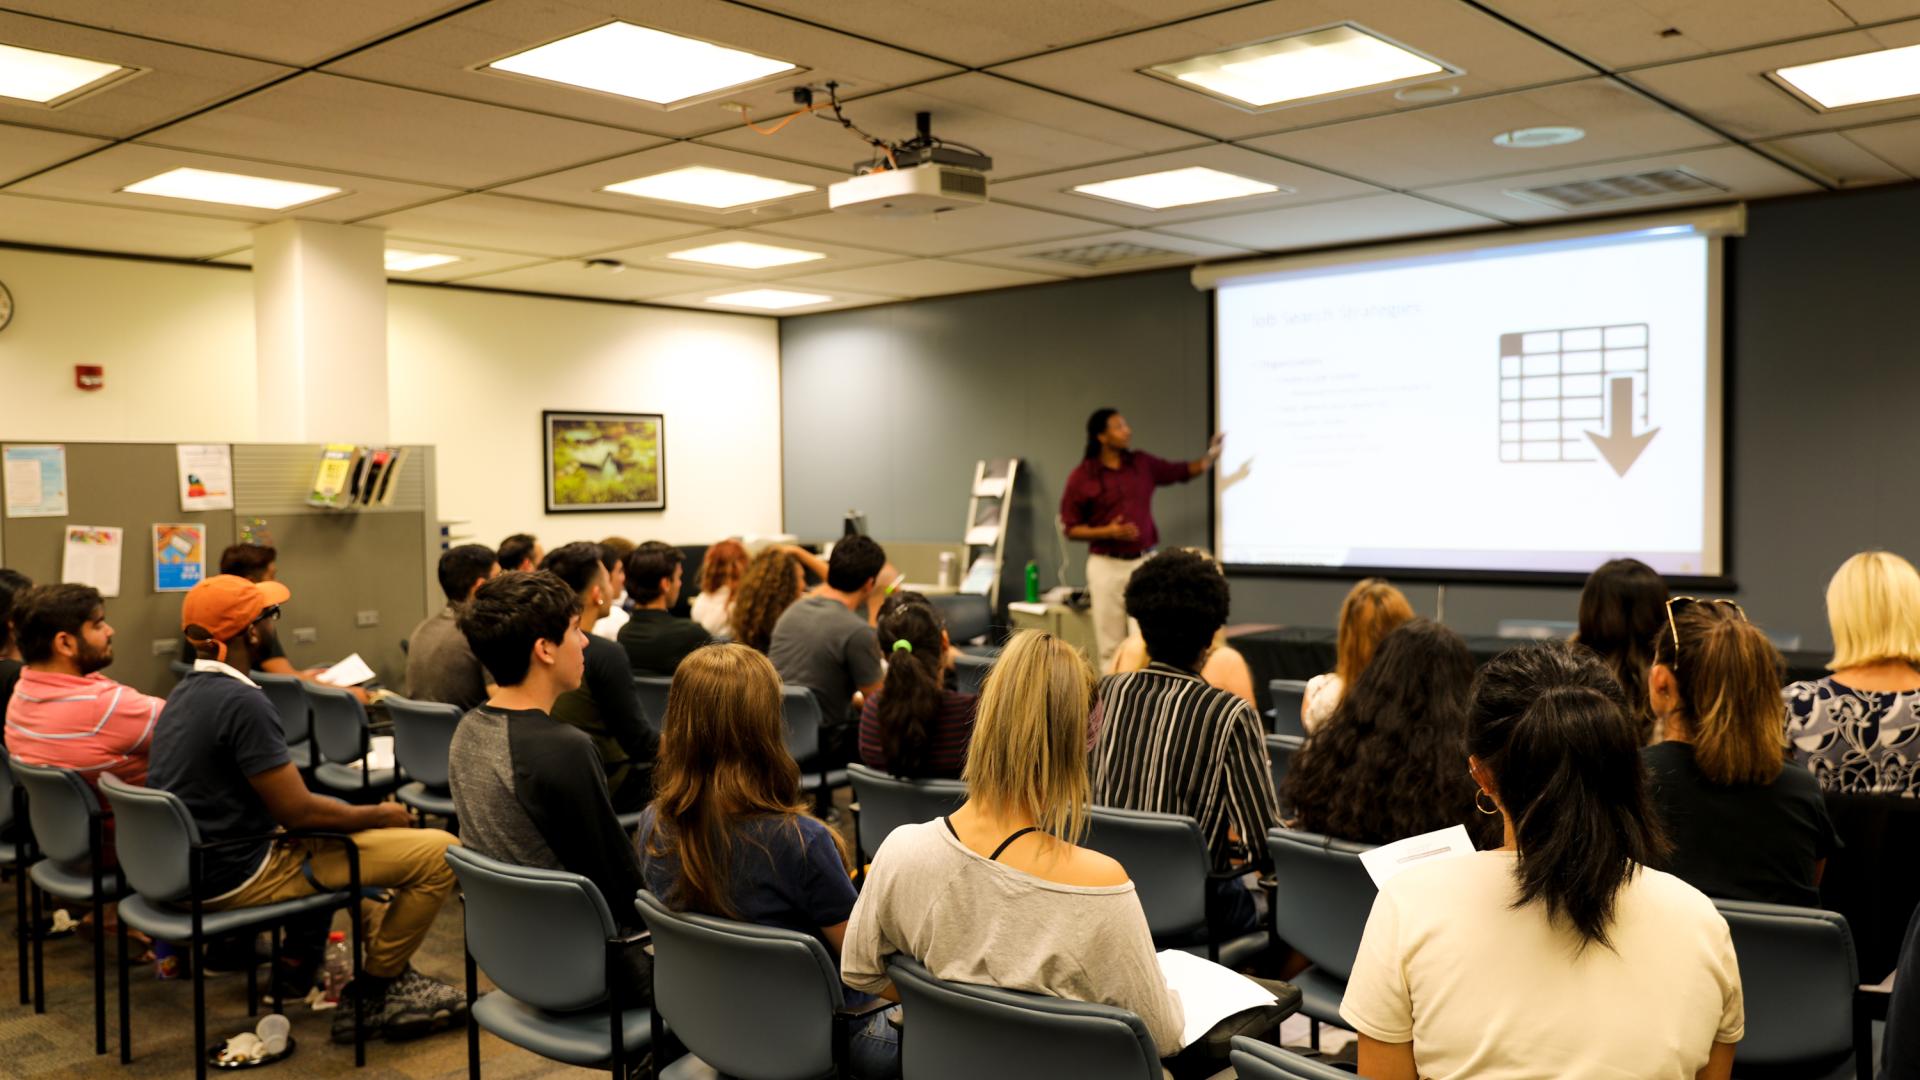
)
(372, 1013)
(418, 1005)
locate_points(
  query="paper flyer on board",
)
(206, 476)
(91, 556)
(179, 556)
(36, 481)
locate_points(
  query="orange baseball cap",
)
(226, 604)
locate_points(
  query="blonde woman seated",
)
(1858, 729)
(1000, 893)
(1370, 612)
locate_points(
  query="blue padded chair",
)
(342, 737)
(1280, 751)
(801, 711)
(68, 834)
(1288, 696)
(14, 855)
(970, 671)
(747, 1001)
(553, 996)
(888, 802)
(422, 732)
(1254, 1060)
(968, 619)
(957, 1031)
(1171, 867)
(296, 715)
(1321, 897)
(162, 855)
(653, 699)
(1805, 1019)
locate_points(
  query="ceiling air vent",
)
(1614, 190)
(1096, 255)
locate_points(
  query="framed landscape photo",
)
(605, 461)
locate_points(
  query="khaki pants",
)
(410, 864)
(1107, 579)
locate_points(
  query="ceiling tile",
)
(1024, 130)
(1733, 93)
(1171, 251)
(572, 278)
(446, 56)
(25, 150)
(99, 178)
(57, 223)
(972, 229)
(581, 186)
(296, 32)
(323, 121)
(1744, 173)
(173, 81)
(835, 256)
(841, 298)
(921, 277)
(1844, 161)
(472, 260)
(982, 32)
(1897, 144)
(1300, 183)
(1629, 33)
(501, 223)
(1494, 56)
(1373, 217)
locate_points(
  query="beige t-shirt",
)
(1323, 696)
(1488, 991)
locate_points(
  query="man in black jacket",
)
(605, 705)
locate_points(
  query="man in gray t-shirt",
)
(826, 644)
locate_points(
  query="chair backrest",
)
(154, 836)
(966, 616)
(563, 967)
(1280, 751)
(1322, 897)
(61, 808)
(888, 802)
(422, 731)
(339, 723)
(963, 1032)
(1167, 858)
(289, 701)
(6, 789)
(1798, 975)
(754, 1002)
(970, 671)
(180, 668)
(1288, 696)
(1874, 878)
(802, 713)
(1263, 1061)
(653, 699)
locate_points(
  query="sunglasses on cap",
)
(1673, 628)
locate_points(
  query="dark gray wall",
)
(886, 409)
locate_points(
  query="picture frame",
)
(603, 462)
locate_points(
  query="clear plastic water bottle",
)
(336, 970)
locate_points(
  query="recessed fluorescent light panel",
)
(46, 78)
(769, 299)
(1856, 80)
(233, 189)
(1177, 187)
(746, 255)
(402, 262)
(715, 189)
(644, 64)
(1326, 63)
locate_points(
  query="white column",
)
(320, 322)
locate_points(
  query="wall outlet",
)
(305, 635)
(166, 646)
(366, 618)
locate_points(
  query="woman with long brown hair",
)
(769, 585)
(719, 574)
(1370, 612)
(1622, 611)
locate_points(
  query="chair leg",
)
(22, 927)
(1313, 1034)
(197, 951)
(358, 984)
(126, 1020)
(39, 950)
(473, 1026)
(253, 980)
(273, 971)
(99, 976)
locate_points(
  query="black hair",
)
(855, 561)
(578, 564)
(650, 564)
(249, 561)
(509, 614)
(1180, 600)
(1623, 611)
(1549, 723)
(46, 611)
(12, 584)
(909, 702)
(461, 566)
(517, 549)
(1391, 762)
(1096, 427)
(610, 556)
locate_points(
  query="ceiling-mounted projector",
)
(923, 176)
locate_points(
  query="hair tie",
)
(902, 645)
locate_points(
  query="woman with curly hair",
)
(770, 584)
(1387, 764)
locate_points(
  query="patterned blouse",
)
(1856, 740)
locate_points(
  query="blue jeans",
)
(874, 1048)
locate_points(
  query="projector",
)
(940, 179)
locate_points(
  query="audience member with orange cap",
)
(219, 747)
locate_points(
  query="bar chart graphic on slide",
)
(1557, 386)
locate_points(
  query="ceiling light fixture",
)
(233, 189)
(1534, 138)
(1177, 187)
(401, 261)
(1324, 63)
(715, 189)
(1856, 80)
(746, 255)
(642, 63)
(769, 299)
(46, 78)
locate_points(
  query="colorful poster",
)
(179, 557)
(36, 481)
(206, 476)
(92, 557)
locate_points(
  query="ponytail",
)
(1729, 678)
(912, 694)
(1550, 724)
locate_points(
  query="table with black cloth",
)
(1301, 652)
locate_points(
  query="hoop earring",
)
(1476, 803)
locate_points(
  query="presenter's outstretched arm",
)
(1202, 464)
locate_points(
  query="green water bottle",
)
(1033, 582)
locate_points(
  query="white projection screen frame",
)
(1676, 523)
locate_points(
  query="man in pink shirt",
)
(64, 712)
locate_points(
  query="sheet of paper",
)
(379, 753)
(1209, 993)
(91, 556)
(349, 672)
(206, 476)
(179, 556)
(1388, 860)
(36, 481)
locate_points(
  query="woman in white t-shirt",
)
(1371, 611)
(1560, 956)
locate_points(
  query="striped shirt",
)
(87, 723)
(1170, 743)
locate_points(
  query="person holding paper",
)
(1561, 954)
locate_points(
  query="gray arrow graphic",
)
(1620, 446)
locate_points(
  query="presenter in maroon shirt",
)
(1109, 501)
